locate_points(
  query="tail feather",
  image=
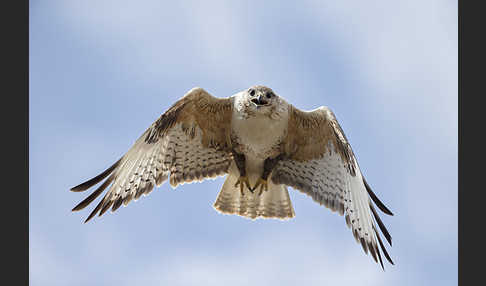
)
(273, 203)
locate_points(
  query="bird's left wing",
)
(189, 142)
(319, 162)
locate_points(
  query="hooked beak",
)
(260, 100)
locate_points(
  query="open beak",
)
(260, 100)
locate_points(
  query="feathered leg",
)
(240, 161)
(268, 166)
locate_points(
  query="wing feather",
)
(88, 184)
(375, 199)
(189, 142)
(320, 163)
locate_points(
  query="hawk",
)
(263, 144)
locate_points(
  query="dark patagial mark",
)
(165, 121)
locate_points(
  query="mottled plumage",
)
(262, 144)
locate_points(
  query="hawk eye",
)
(269, 94)
(252, 92)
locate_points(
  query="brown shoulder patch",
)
(309, 135)
(212, 115)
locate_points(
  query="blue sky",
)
(102, 71)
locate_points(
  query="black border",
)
(15, 135)
(470, 150)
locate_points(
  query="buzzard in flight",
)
(263, 144)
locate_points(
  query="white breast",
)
(259, 135)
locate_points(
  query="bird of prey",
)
(263, 144)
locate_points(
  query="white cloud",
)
(407, 55)
(148, 37)
(45, 265)
(276, 259)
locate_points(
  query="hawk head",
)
(260, 100)
(261, 97)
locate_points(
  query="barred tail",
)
(274, 203)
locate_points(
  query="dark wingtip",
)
(105, 207)
(379, 256)
(383, 248)
(117, 203)
(371, 248)
(94, 195)
(375, 199)
(381, 225)
(97, 208)
(93, 213)
(88, 184)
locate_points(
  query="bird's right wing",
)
(189, 142)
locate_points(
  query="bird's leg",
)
(268, 166)
(240, 161)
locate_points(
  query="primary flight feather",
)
(263, 144)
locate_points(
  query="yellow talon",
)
(263, 186)
(242, 181)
